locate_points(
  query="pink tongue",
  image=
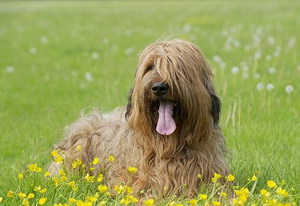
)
(166, 124)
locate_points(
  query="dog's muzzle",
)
(160, 88)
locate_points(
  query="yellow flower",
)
(216, 203)
(43, 190)
(42, 201)
(132, 169)
(79, 148)
(202, 196)
(193, 202)
(62, 173)
(58, 159)
(31, 195)
(79, 203)
(119, 189)
(34, 168)
(129, 189)
(216, 177)
(223, 194)
(102, 188)
(242, 194)
(149, 202)
(1, 199)
(102, 203)
(111, 158)
(21, 195)
(271, 184)
(100, 178)
(37, 188)
(20, 176)
(47, 174)
(91, 199)
(282, 192)
(95, 161)
(254, 178)
(54, 153)
(89, 178)
(264, 192)
(25, 202)
(230, 178)
(10, 193)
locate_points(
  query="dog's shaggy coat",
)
(168, 161)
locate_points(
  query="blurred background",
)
(58, 59)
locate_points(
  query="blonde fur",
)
(166, 165)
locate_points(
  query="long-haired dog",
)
(169, 130)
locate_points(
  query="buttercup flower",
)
(42, 201)
(149, 202)
(202, 196)
(230, 178)
(132, 169)
(271, 184)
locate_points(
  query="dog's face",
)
(173, 92)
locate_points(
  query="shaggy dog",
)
(169, 129)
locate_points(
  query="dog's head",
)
(173, 91)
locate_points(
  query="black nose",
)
(160, 88)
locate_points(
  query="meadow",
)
(61, 59)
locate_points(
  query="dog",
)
(169, 129)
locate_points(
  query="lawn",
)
(60, 59)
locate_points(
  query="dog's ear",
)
(215, 108)
(129, 104)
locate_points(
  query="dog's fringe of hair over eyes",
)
(167, 164)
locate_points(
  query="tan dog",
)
(169, 129)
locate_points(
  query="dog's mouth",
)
(166, 112)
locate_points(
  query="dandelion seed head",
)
(88, 76)
(270, 87)
(95, 55)
(10, 69)
(256, 76)
(217, 58)
(245, 75)
(235, 70)
(271, 40)
(289, 89)
(32, 50)
(44, 40)
(260, 86)
(271, 70)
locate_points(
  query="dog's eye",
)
(149, 68)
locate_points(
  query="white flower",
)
(291, 42)
(10, 69)
(95, 55)
(245, 66)
(271, 40)
(88, 76)
(187, 28)
(270, 87)
(260, 86)
(222, 65)
(271, 70)
(289, 89)
(256, 76)
(129, 51)
(236, 43)
(32, 50)
(245, 75)
(257, 55)
(268, 57)
(44, 40)
(234, 70)
(217, 58)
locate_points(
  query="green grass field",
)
(58, 59)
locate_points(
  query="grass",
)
(50, 51)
